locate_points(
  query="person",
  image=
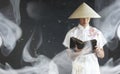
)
(84, 61)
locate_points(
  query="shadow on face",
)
(84, 21)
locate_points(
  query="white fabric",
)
(85, 63)
(85, 34)
(0, 41)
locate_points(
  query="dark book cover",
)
(74, 42)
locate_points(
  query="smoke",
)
(31, 9)
(43, 65)
(40, 64)
(12, 10)
(109, 23)
(118, 32)
(63, 62)
(64, 65)
(10, 33)
(39, 10)
(60, 64)
(16, 10)
(36, 10)
(26, 55)
(110, 68)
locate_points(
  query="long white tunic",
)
(85, 63)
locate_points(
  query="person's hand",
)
(97, 49)
(76, 49)
(99, 52)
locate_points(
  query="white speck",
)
(49, 41)
(59, 21)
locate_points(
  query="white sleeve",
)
(66, 41)
(101, 40)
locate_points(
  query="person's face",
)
(84, 21)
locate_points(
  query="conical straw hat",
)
(84, 11)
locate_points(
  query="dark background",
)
(52, 22)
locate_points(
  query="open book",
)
(74, 42)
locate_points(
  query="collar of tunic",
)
(84, 28)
